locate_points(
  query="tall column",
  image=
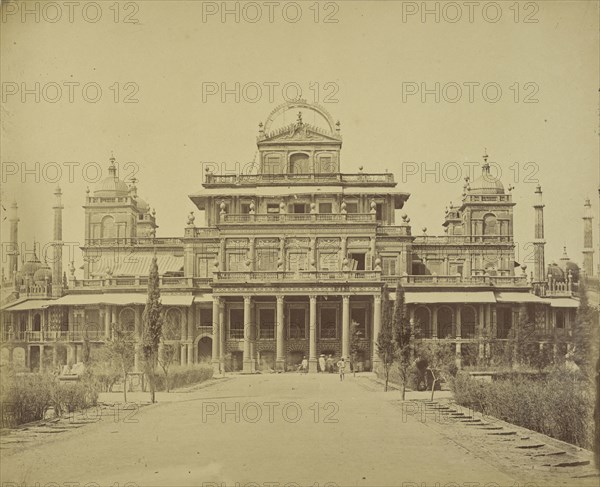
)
(13, 257)
(345, 326)
(539, 266)
(279, 319)
(247, 367)
(458, 357)
(312, 343)
(434, 325)
(183, 354)
(480, 334)
(253, 336)
(588, 240)
(41, 358)
(216, 338)
(223, 334)
(57, 272)
(107, 323)
(191, 335)
(376, 328)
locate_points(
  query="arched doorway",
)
(445, 322)
(204, 349)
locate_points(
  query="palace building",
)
(289, 259)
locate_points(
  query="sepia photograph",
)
(308, 243)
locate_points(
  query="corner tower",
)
(57, 267)
(588, 240)
(539, 265)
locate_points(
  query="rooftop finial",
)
(300, 117)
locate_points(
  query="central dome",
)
(486, 183)
(112, 185)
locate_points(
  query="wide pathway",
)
(259, 430)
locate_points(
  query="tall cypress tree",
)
(152, 319)
(402, 335)
(386, 344)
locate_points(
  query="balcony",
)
(140, 282)
(461, 239)
(132, 242)
(286, 276)
(357, 179)
(277, 218)
(458, 280)
(52, 336)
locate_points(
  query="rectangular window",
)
(388, 266)
(328, 261)
(296, 261)
(328, 322)
(351, 207)
(245, 207)
(266, 259)
(297, 328)
(272, 208)
(205, 267)
(235, 262)
(267, 323)
(206, 317)
(236, 323)
(325, 208)
(379, 212)
(299, 208)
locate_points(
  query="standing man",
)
(341, 367)
(322, 363)
(304, 365)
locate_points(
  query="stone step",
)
(534, 445)
(504, 433)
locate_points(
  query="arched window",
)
(423, 322)
(490, 225)
(445, 322)
(468, 322)
(108, 227)
(172, 325)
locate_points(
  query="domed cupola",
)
(112, 186)
(30, 267)
(43, 275)
(486, 183)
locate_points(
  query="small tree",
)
(120, 350)
(166, 357)
(152, 319)
(403, 337)
(355, 335)
(386, 344)
(585, 334)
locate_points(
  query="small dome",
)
(142, 205)
(31, 266)
(43, 274)
(112, 186)
(486, 183)
(556, 272)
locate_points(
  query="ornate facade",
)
(288, 258)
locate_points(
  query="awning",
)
(122, 299)
(29, 304)
(563, 302)
(512, 297)
(134, 264)
(448, 297)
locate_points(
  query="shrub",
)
(559, 405)
(181, 376)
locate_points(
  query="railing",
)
(297, 276)
(460, 239)
(52, 336)
(393, 231)
(236, 334)
(458, 279)
(267, 333)
(139, 241)
(138, 281)
(297, 217)
(239, 179)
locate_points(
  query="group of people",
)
(327, 364)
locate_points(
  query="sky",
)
(168, 86)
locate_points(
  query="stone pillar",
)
(253, 336)
(223, 334)
(458, 354)
(247, 366)
(216, 338)
(54, 355)
(434, 325)
(183, 354)
(346, 326)
(481, 333)
(279, 319)
(190, 334)
(41, 347)
(376, 328)
(312, 343)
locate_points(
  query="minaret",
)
(539, 265)
(13, 251)
(588, 243)
(57, 268)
